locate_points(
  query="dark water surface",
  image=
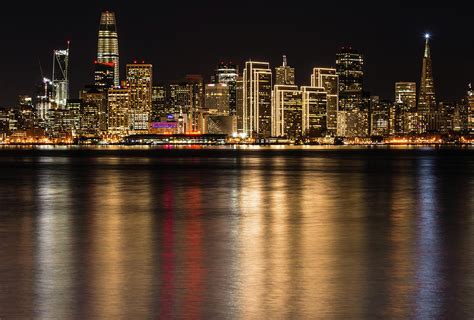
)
(264, 233)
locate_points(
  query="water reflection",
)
(273, 233)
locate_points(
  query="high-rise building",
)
(403, 113)
(315, 103)
(217, 99)
(379, 117)
(349, 67)
(93, 111)
(73, 118)
(257, 93)
(26, 113)
(227, 73)
(104, 75)
(187, 97)
(287, 112)
(139, 81)
(60, 77)
(158, 102)
(284, 75)
(427, 98)
(107, 49)
(328, 79)
(240, 104)
(118, 100)
(470, 112)
(405, 92)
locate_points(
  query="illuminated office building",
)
(107, 48)
(379, 117)
(349, 68)
(470, 109)
(60, 77)
(217, 99)
(287, 112)
(74, 107)
(93, 112)
(139, 81)
(180, 97)
(314, 102)
(427, 98)
(405, 92)
(227, 73)
(104, 75)
(239, 98)
(284, 75)
(118, 105)
(403, 115)
(158, 102)
(26, 116)
(257, 92)
(328, 79)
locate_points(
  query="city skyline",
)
(400, 61)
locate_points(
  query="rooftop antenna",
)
(284, 61)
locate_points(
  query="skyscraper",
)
(405, 92)
(257, 96)
(314, 111)
(118, 104)
(217, 99)
(158, 102)
(60, 77)
(427, 98)
(287, 112)
(470, 109)
(328, 79)
(404, 108)
(139, 81)
(353, 115)
(107, 49)
(284, 75)
(104, 75)
(227, 73)
(349, 67)
(93, 111)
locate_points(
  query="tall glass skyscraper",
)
(349, 66)
(107, 49)
(427, 98)
(227, 73)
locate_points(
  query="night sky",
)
(181, 37)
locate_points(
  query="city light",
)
(258, 105)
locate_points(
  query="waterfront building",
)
(287, 112)
(228, 73)
(93, 121)
(139, 82)
(314, 107)
(470, 109)
(328, 79)
(257, 92)
(217, 99)
(118, 100)
(349, 68)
